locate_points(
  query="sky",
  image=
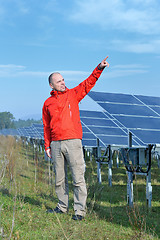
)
(38, 37)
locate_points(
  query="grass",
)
(27, 190)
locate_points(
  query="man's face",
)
(58, 83)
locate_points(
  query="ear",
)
(51, 85)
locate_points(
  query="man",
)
(63, 135)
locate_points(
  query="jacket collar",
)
(55, 93)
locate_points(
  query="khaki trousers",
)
(63, 153)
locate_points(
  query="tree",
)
(6, 120)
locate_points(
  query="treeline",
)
(25, 123)
(7, 120)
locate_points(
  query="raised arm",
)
(84, 87)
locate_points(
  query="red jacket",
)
(61, 118)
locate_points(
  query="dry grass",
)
(26, 192)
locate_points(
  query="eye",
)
(62, 80)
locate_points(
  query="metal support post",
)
(117, 160)
(41, 148)
(130, 177)
(88, 153)
(110, 167)
(148, 189)
(98, 162)
(129, 139)
(130, 189)
(99, 172)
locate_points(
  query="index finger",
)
(105, 58)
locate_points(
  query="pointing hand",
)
(104, 63)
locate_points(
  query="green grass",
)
(26, 192)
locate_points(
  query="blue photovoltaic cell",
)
(91, 114)
(91, 143)
(107, 131)
(120, 125)
(149, 100)
(29, 132)
(112, 97)
(97, 122)
(84, 129)
(102, 127)
(137, 141)
(37, 125)
(156, 109)
(128, 109)
(22, 132)
(139, 122)
(9, 131)
(116, 140)
(88, 135)
(149, 137)
(39, 129)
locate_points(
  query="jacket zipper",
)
(70, 110)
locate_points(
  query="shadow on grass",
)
(47, 197)
(37, 202)
(24, 176)
(110, 204)
(32, 201)
(139, 219)
(5, 192)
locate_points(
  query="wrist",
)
(100, 67)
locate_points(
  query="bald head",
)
(56, 82)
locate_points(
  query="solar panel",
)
(97, 125)
(155, 101)
(9, 131)
(138, 114)
(100, 122)
(30, 132)
(139, 122)
(145, 136)
(128, 109)
(112, 97)
(156, 109)
(39, 128)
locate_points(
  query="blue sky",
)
(72, 37)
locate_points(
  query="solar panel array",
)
(31, 132)
(9, 131)
(99, 125)
(135, 113)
